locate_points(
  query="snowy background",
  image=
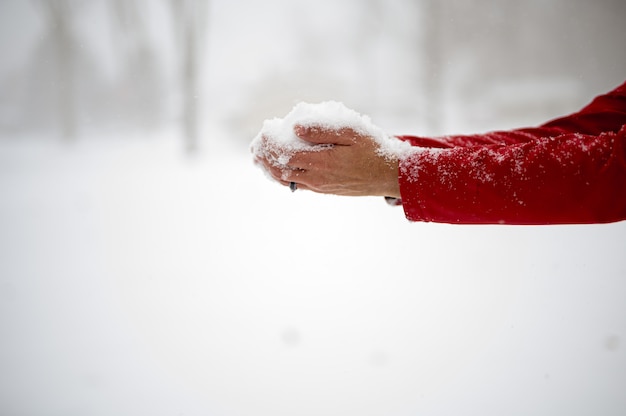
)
(147, 267)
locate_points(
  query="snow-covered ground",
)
(135, 280)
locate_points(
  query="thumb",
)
(325, 135)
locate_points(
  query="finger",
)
(322, 135)
(298, 176)
(285, 175)
(308, 159)
(321, 158)
(263, 162)
(279, 174)
(273, 153)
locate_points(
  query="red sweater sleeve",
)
(570, 170)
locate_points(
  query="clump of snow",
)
(277, 141)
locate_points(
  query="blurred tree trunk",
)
(139, 85)
(190, 21)
(190, 88)
(432, 46)
(59, 16)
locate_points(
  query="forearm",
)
(571, 178)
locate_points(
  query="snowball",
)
(281, 142)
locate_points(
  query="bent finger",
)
(306, 160)
(318, 134)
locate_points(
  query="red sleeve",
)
(569, 170)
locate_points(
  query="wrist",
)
(392, 184)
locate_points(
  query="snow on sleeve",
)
(277, 141)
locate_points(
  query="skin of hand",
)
(347, 164)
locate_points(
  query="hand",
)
(348, 164)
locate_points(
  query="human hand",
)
(344, 163)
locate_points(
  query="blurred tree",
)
(58, 14)
(139, 88)
(190, 23)
(433, 50)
